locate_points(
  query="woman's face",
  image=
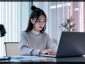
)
(39, 24)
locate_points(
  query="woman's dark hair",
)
(36, 12)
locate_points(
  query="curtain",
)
(14, 17)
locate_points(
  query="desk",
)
(43, 59)
(29, 59)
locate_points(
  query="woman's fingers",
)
(48, 51)
(51, 51)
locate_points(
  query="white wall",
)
(25, 10)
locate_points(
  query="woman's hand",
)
(48, 51)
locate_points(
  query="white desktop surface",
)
(31, 59)
(43, 59)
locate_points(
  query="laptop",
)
(72, 44)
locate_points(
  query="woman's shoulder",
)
(24, 33)
(45, 33)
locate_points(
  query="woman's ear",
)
(32, 21)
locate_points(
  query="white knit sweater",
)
(35, 40)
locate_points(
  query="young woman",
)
(34, 40)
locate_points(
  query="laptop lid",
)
(71, 44)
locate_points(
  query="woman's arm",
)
(51, 44)
(25, 46)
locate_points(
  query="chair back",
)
(12, 48)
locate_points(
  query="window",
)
(58, 13)
(14, 16)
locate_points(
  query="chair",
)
(12, 48)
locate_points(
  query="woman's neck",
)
(35, 32)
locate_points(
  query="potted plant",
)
(68, 25)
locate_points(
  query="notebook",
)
(71, 44)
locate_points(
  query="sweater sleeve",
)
(25, 46)
(51, 44)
